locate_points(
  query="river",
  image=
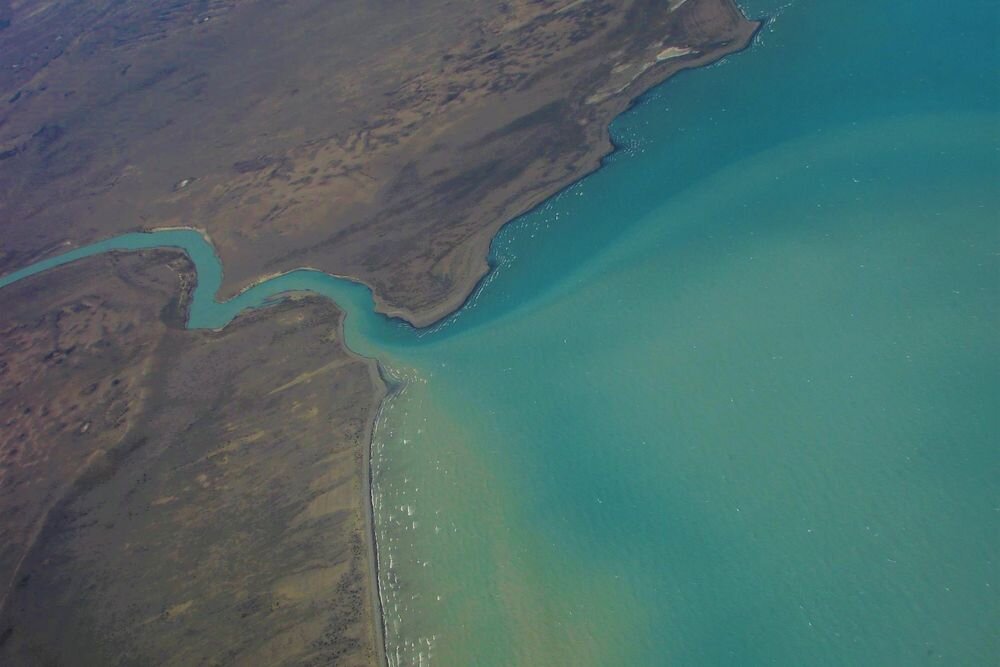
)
(730, 400)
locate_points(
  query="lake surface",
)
(731, 400)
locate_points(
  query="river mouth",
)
(755, 427)
(728, 400)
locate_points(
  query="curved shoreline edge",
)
(387, 387)
(488, 267)
(598, 158)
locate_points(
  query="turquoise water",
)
(732, 400)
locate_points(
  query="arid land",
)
(368, 139)
(179, 497)
(186, 497)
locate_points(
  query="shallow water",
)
(732, 399)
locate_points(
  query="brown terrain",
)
(187, 497)
(179, 497)
(379, 140)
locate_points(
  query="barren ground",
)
(379, 140)
(179, 497)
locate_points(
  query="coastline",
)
(306, 447)
(385, 390)
(583, 592)
(403, 187)
(599, 156)
(476, 270)
(619, 103)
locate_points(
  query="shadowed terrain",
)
(173, 496)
